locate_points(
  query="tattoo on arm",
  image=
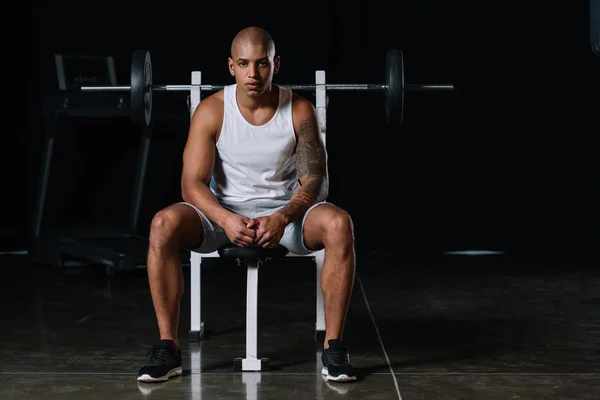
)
(311, 166)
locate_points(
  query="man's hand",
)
(269, 229)
(238, 230)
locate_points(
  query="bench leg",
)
(196, 333)
(320, 323)
(251, 362)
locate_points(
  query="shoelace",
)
(338, 356)
(157, 354)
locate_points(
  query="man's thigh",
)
(295, 235)
(214, 235)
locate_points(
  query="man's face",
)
(252, 68)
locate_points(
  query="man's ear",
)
(230, 66)
(276, 64)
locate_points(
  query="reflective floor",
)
(454, 328)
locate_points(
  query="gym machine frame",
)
(87, 244)
(117, 248)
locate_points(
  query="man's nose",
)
(252, 70)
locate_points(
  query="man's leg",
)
(174, 228)
(330, 227)
(327, 226)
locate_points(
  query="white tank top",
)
(255, 166)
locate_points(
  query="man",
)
(254, 174)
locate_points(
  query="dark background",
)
(509, 161)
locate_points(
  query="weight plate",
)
(394, 94)
(141, 82)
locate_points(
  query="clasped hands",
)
(263, 231)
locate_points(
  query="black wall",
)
(509, 161)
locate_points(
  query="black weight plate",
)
(141, 82)
(394, 94)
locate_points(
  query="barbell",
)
(141, 88)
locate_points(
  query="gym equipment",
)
(141, 78)
(595, 26)
(115, 247)
(253, 258)
(141, 88)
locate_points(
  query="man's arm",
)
(199, 159)
(311, 161)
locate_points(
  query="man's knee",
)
(164, 225)
(174, 224)
(339, 227)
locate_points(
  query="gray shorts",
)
(215, 236)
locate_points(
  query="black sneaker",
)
(336, 362)
(164, 362)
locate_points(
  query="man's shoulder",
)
(301, 106)
(214, 100)
(208, 116)
(300, 100)
(211, 106)
(302, 109)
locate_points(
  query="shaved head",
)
(253, 63)
(253, 36)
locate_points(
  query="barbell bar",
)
(141, 87)
(309, 86)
